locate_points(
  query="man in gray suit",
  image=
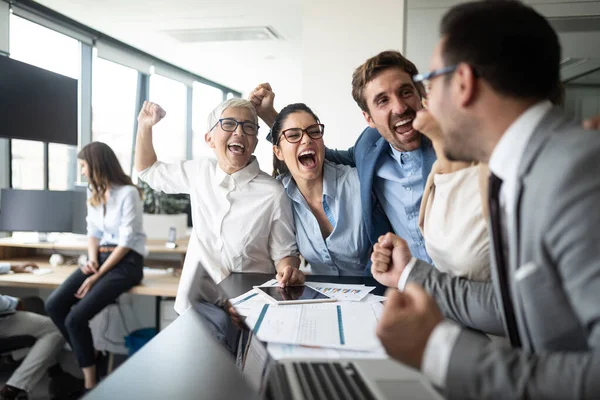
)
(496, 63)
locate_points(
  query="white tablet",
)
(292, 294)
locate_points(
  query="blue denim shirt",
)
(399, 186)
(346, 250)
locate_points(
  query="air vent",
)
(224, 34)
(576, 24)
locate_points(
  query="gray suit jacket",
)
(554, 281)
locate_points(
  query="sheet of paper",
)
(42, 271)
(373, 298)
(248, 302)
(342, 326)
(342, 292)
(280, 351)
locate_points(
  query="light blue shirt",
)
(399, 188)
(121, 225)
(346, 250)
(8, 304)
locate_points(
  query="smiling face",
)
(393, 102)
(305, 158)
(233, 149)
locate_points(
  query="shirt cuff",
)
(438, 350)
(12, 303)
(404, 276)
(4, 268)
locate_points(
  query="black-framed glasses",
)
(294, 135)
(428, 76)
(230, 125)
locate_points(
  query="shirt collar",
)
(403, 156)
(506, 156)
(329, 183)
(240, 178)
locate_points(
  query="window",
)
(205, 99)
(114, 89)
(169, 135)
(61, 175)
(44, 48)
(27, 164)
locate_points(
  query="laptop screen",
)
(211, 302)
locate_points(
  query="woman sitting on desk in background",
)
(330, 230)
(116, 244)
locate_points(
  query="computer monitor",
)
(42, 211)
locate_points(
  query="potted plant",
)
(163, 211)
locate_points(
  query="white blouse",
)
(455, 229)
(243, 222)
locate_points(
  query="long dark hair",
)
(104, 170)
(279, 167)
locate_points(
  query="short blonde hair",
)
(234, 102)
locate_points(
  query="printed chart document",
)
(341, 292)
(294, 352)
(348, 326)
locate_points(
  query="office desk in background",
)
(157, 285)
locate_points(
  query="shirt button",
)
(408, 189)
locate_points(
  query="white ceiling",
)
(239, 65)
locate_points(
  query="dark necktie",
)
(496, 216)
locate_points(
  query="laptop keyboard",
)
(320, 381)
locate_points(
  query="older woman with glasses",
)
(242, 218)
(330, 231)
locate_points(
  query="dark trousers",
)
(72, 315)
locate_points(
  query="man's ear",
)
(278, 153)
(466, 84)
(368, 119)
(208, 138)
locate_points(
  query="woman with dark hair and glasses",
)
(116, 246)
(330, 231)
(242, 219)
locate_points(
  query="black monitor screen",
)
(36, 104)
(42, 211)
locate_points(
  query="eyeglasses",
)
(230, 125)
(428, 76)
(294, 135)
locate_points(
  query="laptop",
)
(317, 379)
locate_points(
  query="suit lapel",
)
(539, 138)
(370, 158)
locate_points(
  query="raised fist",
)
(150, 114)
(262, 98)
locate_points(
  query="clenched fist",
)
(150, 114)
(262, 98)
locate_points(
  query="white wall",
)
(423, 18)
(338, 36)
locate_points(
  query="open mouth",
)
(236, 148)
(404, 125)
(308, 159)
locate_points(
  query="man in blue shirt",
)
(393, 159)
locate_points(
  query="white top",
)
(455, 229)
(122, 222)
(504, 163)
(242, 222)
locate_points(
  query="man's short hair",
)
(507, 43)
(376, 65)
(234, 102)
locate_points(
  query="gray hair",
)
(234, 102)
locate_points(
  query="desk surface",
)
(181, 363)
(154, 246)
(237, 284)
(152, 285)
